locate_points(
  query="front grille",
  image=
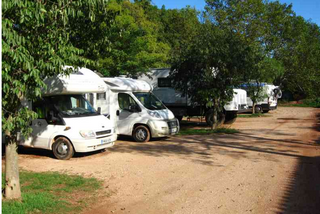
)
(172, 124)
(103, 132)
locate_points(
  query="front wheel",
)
(141, 134)
(63, 149)
(258, 109)
(210, 119)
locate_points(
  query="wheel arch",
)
(141, 124)
(57, 136)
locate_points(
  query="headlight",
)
(154, 114)
(87, 134)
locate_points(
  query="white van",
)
(137, 112)
(182, 106)
(271, 93)
(67, 123)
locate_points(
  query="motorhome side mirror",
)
(99, 110)
(134, 108)
(53, 118)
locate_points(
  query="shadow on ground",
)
(302, 194)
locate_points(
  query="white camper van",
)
(137, 112)
(182, 106)
(270, 102)
(67, 123)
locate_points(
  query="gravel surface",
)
(271, 166)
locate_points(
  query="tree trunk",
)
(253, 108)
(12, 190)
(215, 114)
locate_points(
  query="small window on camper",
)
(101, 96)
(164, 82)
(125, 100)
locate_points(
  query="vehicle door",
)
(44, 127)
(128, 113)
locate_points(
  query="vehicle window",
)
(149, 101)
(101, 96)
(125, 100)
(40, 108)
(47, 112)
(72, 105)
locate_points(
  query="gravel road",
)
(271, 166)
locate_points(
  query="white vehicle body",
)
(181, 105)
(63, 113)
(131, 105)
(270, 102)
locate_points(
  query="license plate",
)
(105, 141)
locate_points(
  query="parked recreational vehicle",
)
(131, 105)
(182, 106)
(270, 101)
(67, 123)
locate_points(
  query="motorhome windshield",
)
(149, 101)
(72, 105)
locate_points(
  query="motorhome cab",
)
(134, 108)
(67, 123)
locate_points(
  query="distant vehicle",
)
(271, 95)
(135, 110)
(181, 105)
(67, 123)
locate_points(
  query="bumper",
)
(273, 107)
(265, 107)
(90, 145)
(164, 128)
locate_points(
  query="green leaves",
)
(35, 45)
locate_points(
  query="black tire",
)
(230, 118)
(62, 149)
(141, 134)
(209, 118)
(258, 109)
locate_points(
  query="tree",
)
(289, 44)
(35, 45)
(123, 41)
(211, 66)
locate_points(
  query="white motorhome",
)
(270, 101)
(131, 105)
(182, 106)
(67, 123)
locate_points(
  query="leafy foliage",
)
(35, 45)
(122, 41)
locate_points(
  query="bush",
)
(312, 102)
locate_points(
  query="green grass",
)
(253, 115)
(207, 131)
(314, 103)
(51, 192)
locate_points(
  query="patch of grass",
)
(50, 192)
(253, 115)
(207, 131)
(314, 103)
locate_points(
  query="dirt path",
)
(272, 166)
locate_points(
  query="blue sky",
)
(308, 9)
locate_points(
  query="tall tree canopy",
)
(122, 41)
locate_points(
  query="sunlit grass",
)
(50, 192)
